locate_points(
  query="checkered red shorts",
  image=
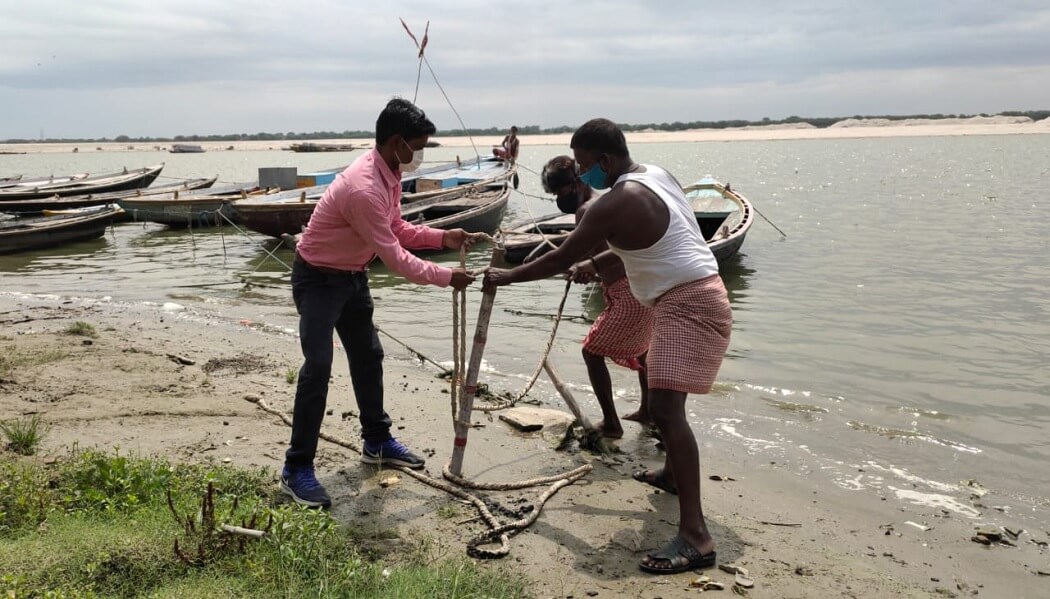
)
(691, 332)
(623, 329)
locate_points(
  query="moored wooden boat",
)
(724, 217)
(310, 146)
(79, 184)
(288, 212)
(22, 234)
(435, 180)
(186, 149)
(473, 209)
(37, 206)
(203, 208)
(279, 213)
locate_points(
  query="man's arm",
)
(370, 214)
(594, 228)
(416, 237)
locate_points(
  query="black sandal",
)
(674, 552)
(656, 479)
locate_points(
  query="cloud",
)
(182, 66)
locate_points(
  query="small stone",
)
(226, 423)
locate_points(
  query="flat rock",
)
(529, 419)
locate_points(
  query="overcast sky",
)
(99, 68)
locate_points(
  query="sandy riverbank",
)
(849, 128)
(798, 537)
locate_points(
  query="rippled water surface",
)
(901, 329)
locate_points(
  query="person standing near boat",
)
(648, 223)
(623, 329)
(357, 220)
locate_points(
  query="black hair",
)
(514, 129)
(601, 136)
(401, 117)
(557, 173)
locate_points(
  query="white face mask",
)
(417, 159)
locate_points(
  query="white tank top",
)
(680, 256)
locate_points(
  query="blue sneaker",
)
(390, 451)
(301, 485)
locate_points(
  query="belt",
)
(325, 269)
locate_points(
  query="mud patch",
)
(239, 364)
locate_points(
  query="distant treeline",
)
(819, 122)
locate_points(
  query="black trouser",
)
(342, 302)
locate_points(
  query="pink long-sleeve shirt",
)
(359, 218)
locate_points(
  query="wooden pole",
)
(469, 388)
(566, 394)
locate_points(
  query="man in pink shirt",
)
(357, 220)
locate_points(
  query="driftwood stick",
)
(31, 319)
(247, 532)
(181, 360)
(566, 394)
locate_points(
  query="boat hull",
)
(37, 206)
(52, 231)
(724, 233)
(102, 184)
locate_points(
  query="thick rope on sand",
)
(498, 531)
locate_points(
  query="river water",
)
(896, 341)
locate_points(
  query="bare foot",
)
(610, 431)
(639, 417)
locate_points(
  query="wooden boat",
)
(724, 217)
(79, 184)
(23, 234)
(473, 209)
(310, 146)
(279, 213)
(435, 180)
(186, 149)
(205, 208)
(37, 206)
(288, 212)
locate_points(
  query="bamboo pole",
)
(469, 388)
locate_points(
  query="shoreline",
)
(767, 133)
(798, 535)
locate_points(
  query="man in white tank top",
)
(647, 222)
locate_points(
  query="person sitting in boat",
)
(622, 330)
(508, 148)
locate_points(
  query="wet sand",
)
(798, 537)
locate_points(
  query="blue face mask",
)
(595, 177)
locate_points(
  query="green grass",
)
(81, 328)
(23, 435)
(99, 525)
(290, 375)
(11, 359)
